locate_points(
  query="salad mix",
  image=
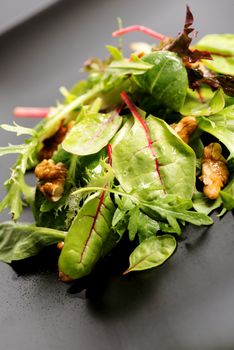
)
(140, 148)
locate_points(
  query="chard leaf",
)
(194, 107)
(92, 133)
(86, 237)
(125, 67)
(174, 157)
(135, 167)
(152, 252)
(20, 241)
(221, 47)
(167, 81)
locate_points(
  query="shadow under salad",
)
(106, 290)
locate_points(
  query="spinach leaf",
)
(167, 81)
(221, 47)
(152, 252)
(20, 241)
(92, 133)
(86, 237)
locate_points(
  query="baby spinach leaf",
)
(194, 107)
(92, 133)
(225, 118)
(167, 81)
(221, 47)
(220, 125)
(20, 241)
(227, 195)
(204, 205)
(152, 252)
(86, 237)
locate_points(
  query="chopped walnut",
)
(51, 179)
(51, 144)
(214, 170)
(185, 128)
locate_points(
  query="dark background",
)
(186, 304)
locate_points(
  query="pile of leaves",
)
(128, 172)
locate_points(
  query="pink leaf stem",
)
(137, 115)
(31, 112)
(142, 29)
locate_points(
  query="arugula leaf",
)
(167, 81)
(176, 210)
(142, 225)
(152, 252)
(20, 241)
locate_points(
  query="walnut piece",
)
(51, 144)
(214, 170)
(51, 178)
(185, 128)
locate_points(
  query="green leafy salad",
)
(140, 148)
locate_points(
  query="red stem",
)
(139, 28)
(93, 224)
(109, 152)
(137, 115)
(31, 112)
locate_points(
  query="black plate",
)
(186, 304)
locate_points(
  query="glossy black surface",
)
(186, 304)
